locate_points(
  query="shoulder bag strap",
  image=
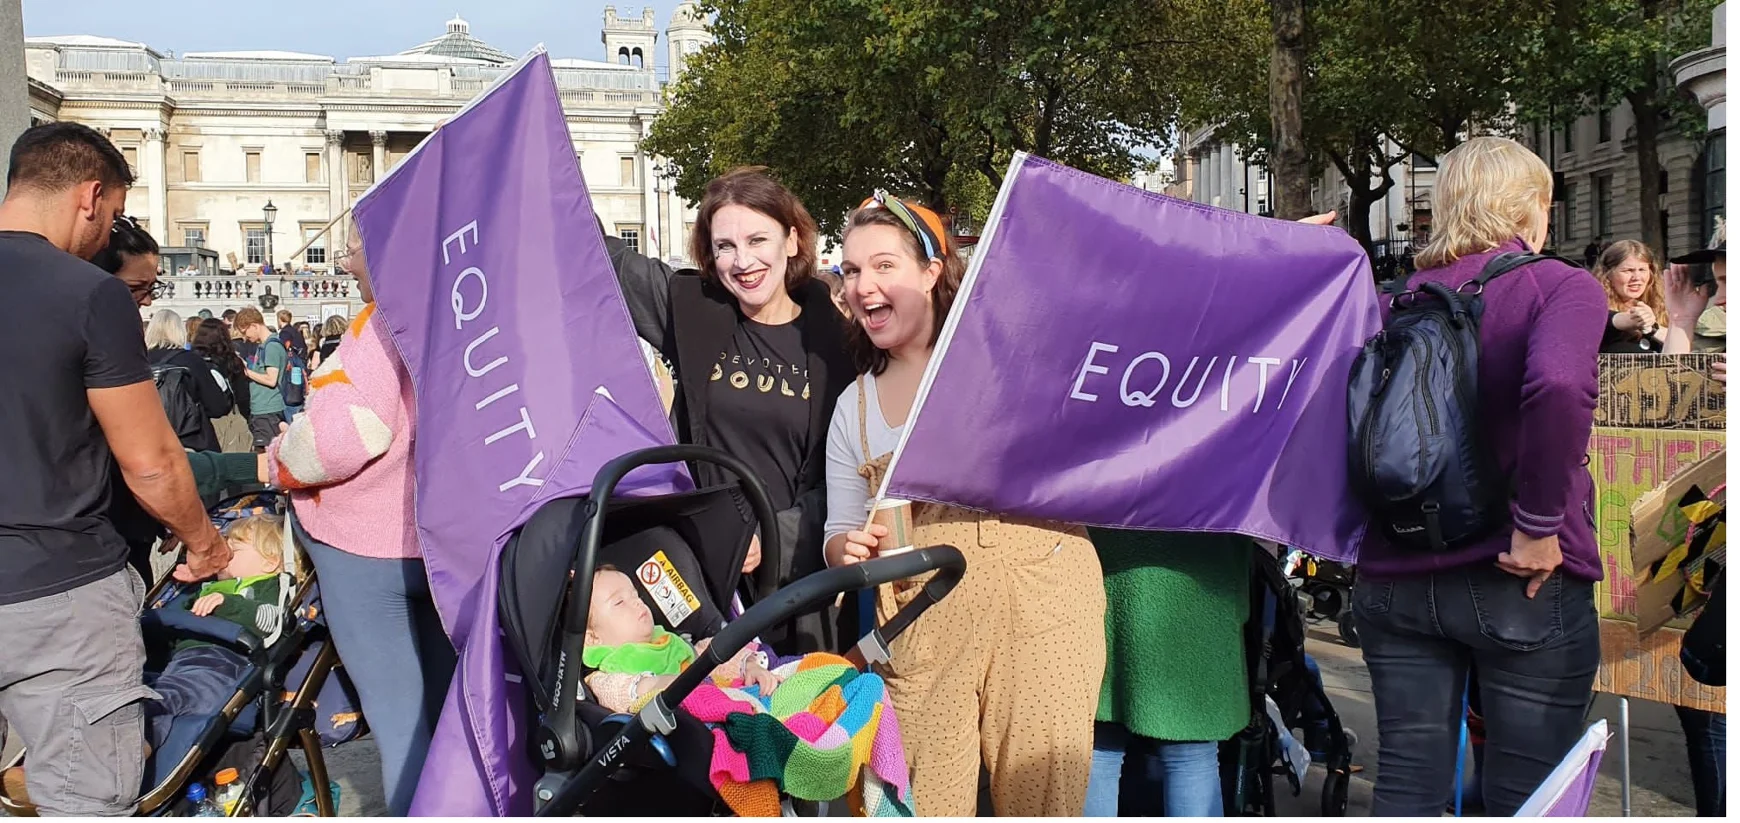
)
(864, 421)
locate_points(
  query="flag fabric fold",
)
(494, 284)
(1567, 791)
(1128, 360)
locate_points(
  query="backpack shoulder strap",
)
(1510, 261)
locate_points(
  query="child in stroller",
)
(287, 690)
(201, 674)
(686, 552)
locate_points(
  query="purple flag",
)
(1128, 360)
(493, 280)
(478, 764)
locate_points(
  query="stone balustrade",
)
(186, 294)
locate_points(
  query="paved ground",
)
(1660, 786)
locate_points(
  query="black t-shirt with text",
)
(70, 327)
(758, 399)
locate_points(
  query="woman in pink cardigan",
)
(346, 461)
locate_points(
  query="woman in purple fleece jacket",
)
(1519, 605)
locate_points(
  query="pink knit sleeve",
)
(352, 416)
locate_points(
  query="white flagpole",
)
(992, 223)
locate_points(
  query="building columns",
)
(379, 138)
(336, 186)
(157, 177)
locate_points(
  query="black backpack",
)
(176, 390)
(1415, 452)
(293, 381)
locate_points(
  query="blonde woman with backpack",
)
(1515, 601)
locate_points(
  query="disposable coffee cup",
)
(896, 516)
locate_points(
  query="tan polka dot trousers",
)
(1005, 669)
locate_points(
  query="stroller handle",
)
(559, 745)
(760, 504)
(806, 594)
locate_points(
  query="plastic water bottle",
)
(229, 791)
(202, 805)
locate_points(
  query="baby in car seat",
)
(634, 657)
(201, 676)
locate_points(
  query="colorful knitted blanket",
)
(826, 730)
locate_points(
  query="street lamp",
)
(271, 214)
(660, 187)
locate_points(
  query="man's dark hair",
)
(54, 157)
(126, 239)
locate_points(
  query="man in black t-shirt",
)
(71, 657)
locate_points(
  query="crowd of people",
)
(1087, 671)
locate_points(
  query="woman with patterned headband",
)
(758, 350)
(1006, 669)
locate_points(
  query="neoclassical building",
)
(214, 137)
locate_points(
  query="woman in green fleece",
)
(1175, 682)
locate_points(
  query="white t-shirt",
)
(848, 492)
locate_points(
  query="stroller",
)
(1327, 589)
(685, 553)
(1285, 694)
(292, 693)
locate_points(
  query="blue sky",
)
(341, 28)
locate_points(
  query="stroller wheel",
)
(1348, 631)
(1335, 794)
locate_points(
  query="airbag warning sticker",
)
(668, 589)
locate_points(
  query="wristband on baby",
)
(634, 687)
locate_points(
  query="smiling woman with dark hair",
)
(758, 349)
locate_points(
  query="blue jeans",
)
(1707, 748)
(389, 637)
(1173, 779)
(1537, 660)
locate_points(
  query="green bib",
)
(665, 654)
(234, 585)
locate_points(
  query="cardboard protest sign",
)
(1659, 419)
(1648, 668)
(1628, 464)
(1660, 528)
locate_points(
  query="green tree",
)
(1382, 79)
(926, 98)
(1601, 53)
